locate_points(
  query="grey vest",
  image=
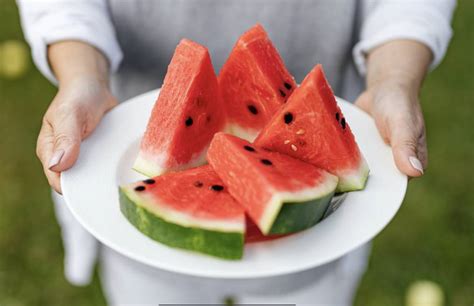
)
(306, 32)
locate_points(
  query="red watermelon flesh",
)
(267, 184)
(254, 83)
(311, 127)
(190, 209)
(254, 234)
(186, 115)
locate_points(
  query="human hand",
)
(395, 73)
(396, 110)
(72, 115)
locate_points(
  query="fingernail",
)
(55, 159)
(415, 162)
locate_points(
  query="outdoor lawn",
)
(431, 238)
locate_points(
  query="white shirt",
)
(47, 21)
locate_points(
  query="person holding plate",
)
(99, 52)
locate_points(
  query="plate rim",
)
(203, 273)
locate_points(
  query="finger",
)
(423, 150)
(44, 150)
(363, 101)
(404, 141)
(53, 179)
(45, 143)
(67, 129)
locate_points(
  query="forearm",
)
(402, 62)
(73, 61)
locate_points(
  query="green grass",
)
(432, 237)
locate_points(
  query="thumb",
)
(364, 101)
(67, 141)
(404, 144)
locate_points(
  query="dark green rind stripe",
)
(227, 245)
(295, 217)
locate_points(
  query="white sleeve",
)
(426, 21)
(47, 21)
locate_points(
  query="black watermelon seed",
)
(301, 142)
(288, 118)
(139, 188)
(249, 148)
(337, 116)
(198, 184)
(252, 109)
(282, 93)
(149, 181)
(217, 187)
(343, 123)
(189, 121)
(287, 85)
(266, 162)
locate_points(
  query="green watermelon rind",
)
(295, 217)
(222, 244)
(301, 200)
(355, 180)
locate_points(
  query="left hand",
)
(397, 112)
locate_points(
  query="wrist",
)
(396, 80)
(86, 93)
(84, 82)
(395, 84)
(391, 89)
(401, 62)
(75, 62)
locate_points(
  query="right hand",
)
(72, 115)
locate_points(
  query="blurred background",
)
(427, 252)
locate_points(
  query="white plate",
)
(105, 161)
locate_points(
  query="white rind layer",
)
(275, 204)
(236, 225)
(149, 168)
(156, 166)
(353, 180)
(244, 133)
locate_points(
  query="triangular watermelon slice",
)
(281, 194)
(311, 127)
(190, 210)
(186, 115)
(254, 83)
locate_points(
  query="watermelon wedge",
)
(186, 115)
(189, 210)
(312, 128)
(254, 83)
(279, 193)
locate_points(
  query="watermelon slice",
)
(311, 127)
(189, 210)
(254, 83)
(186, 115)
(280, 193)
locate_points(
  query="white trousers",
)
(128, 282)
